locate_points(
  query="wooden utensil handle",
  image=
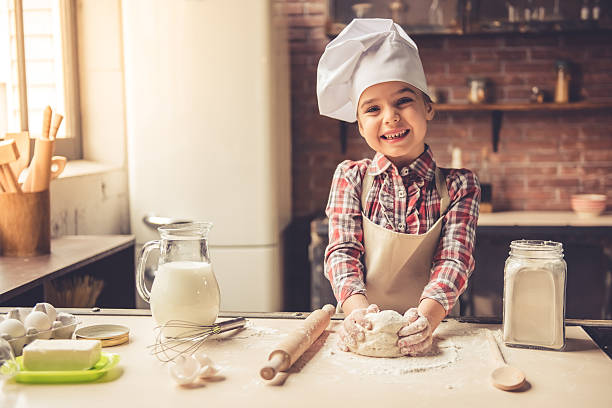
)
(3, 182)
(278, 361)
(495, 351)
(57, 121)
(46, 122)
(297, 342)
(11, 184)
(58, 163)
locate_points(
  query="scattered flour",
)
(442, 354)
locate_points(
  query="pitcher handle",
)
(143, 291)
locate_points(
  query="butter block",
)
(61, 355)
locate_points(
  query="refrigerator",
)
(208, 133)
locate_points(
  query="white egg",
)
(46, 308)
(39, 320)
(12, 327)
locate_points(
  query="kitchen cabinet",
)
(570, 378)
(109, 258)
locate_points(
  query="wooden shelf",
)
(521, 107)
(497, 110)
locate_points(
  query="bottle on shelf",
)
(563, 78)
(584, 10)
(486, 187)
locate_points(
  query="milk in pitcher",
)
(184, 290)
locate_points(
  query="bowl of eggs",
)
(588, 205)
(21, 326)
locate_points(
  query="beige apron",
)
(398, 265)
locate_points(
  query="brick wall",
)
(543, 157)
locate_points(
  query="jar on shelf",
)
(534, 295)
(477, 92)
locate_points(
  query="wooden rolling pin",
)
(289, 350)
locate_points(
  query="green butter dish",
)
(106, 362)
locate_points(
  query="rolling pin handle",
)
(329, 309)
(275, 364)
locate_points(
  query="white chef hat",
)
(367, 52)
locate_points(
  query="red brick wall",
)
(543, 157)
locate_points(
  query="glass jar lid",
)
(536, 248)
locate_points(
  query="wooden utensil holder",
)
(25, 227)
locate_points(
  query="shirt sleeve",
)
(453, 261)
(343, 265)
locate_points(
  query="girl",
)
(401, 229)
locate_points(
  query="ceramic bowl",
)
(588, 205)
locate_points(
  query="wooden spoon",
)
(506, 377)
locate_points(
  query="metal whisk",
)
(188, 341)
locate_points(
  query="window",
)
(38, 67)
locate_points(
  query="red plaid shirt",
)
(405, 200)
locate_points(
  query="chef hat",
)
(367, 52)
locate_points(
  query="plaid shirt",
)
(404, 200)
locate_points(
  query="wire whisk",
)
(189, 339)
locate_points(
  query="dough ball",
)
(381, 340)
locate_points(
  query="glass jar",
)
(477, 92)
(534, 295)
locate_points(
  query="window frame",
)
(71, 145)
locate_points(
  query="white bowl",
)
(588, 205)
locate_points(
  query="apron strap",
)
(442, 191)
(366, 186)
(368, 181)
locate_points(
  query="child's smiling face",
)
(392, 118)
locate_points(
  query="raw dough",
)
(381, 340)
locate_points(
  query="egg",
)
(39, 320)
(46, 308)
(12, 327)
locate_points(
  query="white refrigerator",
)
(208, 128)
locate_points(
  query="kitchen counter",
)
(323, 376)
(542, 219)
(107, 257)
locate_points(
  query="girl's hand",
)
(417, 337)
(352, 327)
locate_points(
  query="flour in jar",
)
(381, 340)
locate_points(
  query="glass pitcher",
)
(185, 287)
